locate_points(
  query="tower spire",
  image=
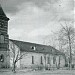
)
(2, 14)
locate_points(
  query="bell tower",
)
(3, 30)
(4, 39)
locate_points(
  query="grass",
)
(51, 72)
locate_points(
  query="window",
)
(1, 38)
(48, 60)
(41, 60)
(33, 47)
(2, 58)
(32, 59)
(54, 60)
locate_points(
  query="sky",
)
(33, 20)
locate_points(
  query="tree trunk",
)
(70, 53)
(70, 60)
(14, 67)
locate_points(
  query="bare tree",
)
(64, 40)
(16, 57)
(67, 37)
(50, 40)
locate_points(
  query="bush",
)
(72, 65)
(47, 67)
(66, 65)
(3, 66)
(40, 67)
(37, 67)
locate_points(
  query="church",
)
(33, 55)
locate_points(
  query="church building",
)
(34, 55)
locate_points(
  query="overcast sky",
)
(33, 20)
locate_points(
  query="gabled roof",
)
(26, 46)
(2, 14)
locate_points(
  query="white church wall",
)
(11, 54)
(26, 61)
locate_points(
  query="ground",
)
(53, 72)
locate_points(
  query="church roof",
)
(2, 14)
(28, 47)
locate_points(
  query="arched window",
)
(2, 58)
(32, 59)
(1, 38)
(41, 60)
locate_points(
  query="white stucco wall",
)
(16, 48)
(26, 61)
